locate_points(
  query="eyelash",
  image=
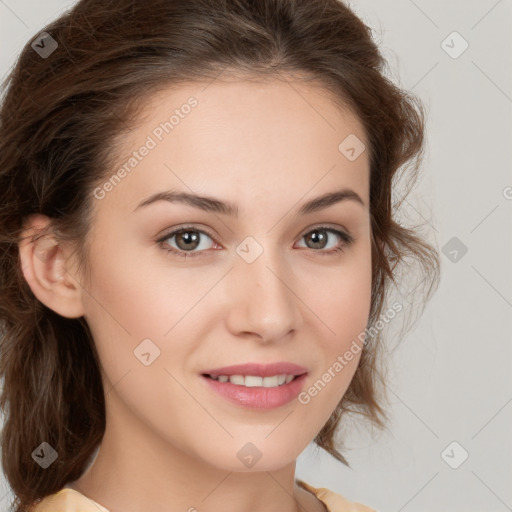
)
(347, 241)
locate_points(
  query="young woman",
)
(198, 239)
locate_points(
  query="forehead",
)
(237, 134)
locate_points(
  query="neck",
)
(136, 471)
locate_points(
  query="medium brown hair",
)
(60, 119)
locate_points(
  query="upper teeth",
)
(255, 381)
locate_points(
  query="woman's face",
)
(257, 282)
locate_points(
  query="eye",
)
(187, 239)
(319, 237)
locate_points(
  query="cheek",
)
(137, 293)
(139, 304)
(130, 308)
(342, 300)
(343, 308)
(123, 308)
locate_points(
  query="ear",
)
(45, 267)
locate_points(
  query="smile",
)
(256, 392)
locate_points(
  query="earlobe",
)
(43, 262)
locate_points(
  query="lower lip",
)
(258, 397)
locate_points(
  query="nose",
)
(263, 301)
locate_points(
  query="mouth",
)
(256, 392)
(257, 386)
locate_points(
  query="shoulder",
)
(333, 501)
(67, 500)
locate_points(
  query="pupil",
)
(317, 238)
(189, 238)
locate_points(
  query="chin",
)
(247, 457)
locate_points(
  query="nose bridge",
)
(263, 301)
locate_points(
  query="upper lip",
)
(260, 370)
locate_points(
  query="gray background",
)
(450, 378)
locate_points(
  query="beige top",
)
(70, 500)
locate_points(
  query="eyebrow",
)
(211, 204)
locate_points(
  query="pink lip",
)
(257, 397)
(260, 370)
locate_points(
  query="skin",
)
(170, 442)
